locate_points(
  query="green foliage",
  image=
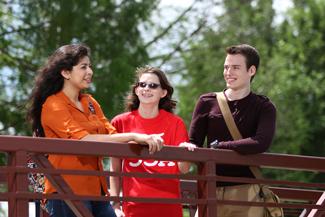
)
(291, 71)
(300, 93)
(251, 24)
(301, 49)
(32, 30)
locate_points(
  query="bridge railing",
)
(298, 198)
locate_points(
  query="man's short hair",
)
(249, 52)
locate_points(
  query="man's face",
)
(235, 72)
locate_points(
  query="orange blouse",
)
(62, 119)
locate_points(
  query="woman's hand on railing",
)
(154, 141)
(188, 145)
(183, 166)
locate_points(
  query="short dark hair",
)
(167, 103)
(249, 52)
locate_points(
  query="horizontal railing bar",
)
(22, 195)
(299, 194)
(283, 193)
(122, 150)
(4, 169)
(164, 176)
(39, 146)
(26, 170)
(29, 195)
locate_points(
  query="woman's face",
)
(80, 76)
(149, 90)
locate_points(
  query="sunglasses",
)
(150, 85)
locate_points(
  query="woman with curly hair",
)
(59, 109)
(150, 108)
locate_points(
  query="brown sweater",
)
(255, 117)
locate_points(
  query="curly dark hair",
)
(50, 81)
(167, 103)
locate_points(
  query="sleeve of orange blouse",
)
(57, 119)
(99, 112)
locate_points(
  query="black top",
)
(255, 117)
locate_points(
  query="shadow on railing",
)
(298, 198)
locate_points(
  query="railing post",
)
(17, 183)
(207, 190)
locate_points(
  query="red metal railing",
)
(304, 199)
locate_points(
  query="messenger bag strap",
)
(232, 127)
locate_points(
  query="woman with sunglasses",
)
(59, 109)
(150, 108)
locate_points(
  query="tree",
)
(298, 89)
(251, 23)
(291, 71)
(33, 29)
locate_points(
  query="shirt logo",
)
(152, 164)
(91, 107)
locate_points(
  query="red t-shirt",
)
(174, 133)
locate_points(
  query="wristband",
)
(214, 144)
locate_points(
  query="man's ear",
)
(65, 74)
(252, 70)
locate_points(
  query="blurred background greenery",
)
(187, 42)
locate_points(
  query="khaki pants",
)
(249, 192)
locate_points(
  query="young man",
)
(255, 117)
